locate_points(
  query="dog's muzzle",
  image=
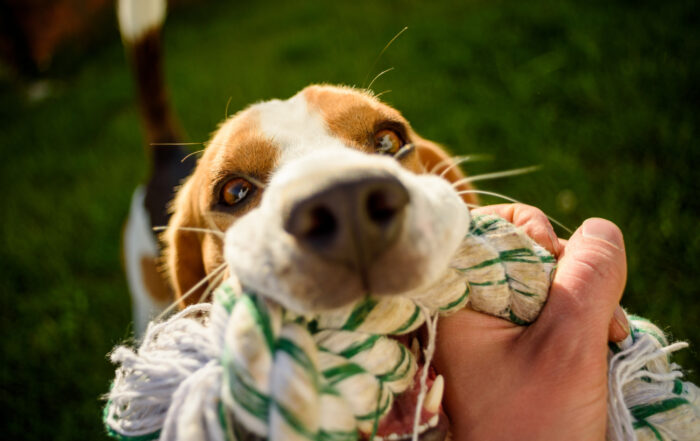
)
(333, 227)
(352, 221)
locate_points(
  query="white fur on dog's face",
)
(291, 149)
(267, 259)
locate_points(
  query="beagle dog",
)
(323, 197)
(316, 200)
(335, 187)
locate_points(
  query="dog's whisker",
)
(382, 93)
(193, 153)
(257, 182)
(382, 53)
(496, 175)
(449, 162)
(174, 144)
(378, 76)
(507, 198)
(228, 103)
(212, 286)
(195, 229)
(191, 291)
(459, 160)
(405, 150)
(209, 220)
(433, 170)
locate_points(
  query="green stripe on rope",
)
(245, 394)
(479, 228)
(358, 347)
(289, 347)
(643, 423)
(359, 314)
(294, 423)
(524, 293)
(327, 389)
(377, 413)
(120, 437)
(337, 435)
(225, 296)
(407, 325)
(458, 301)
(637, 332)
(517, 320)
(677, 386)
(491, 283)
(514, 255)
(337, 374)
(483, 264)
(392, 375)
(642, 412)
(225, 423)
(114, 434)
(261, 318)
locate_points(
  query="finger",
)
(589, 281)
(530, 219)
(562, 244)
(619, 326)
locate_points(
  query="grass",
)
(602, 94)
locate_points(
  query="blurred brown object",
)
(34, 30)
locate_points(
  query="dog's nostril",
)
(350, 222)
(321, 224)
(381, 208)
(384, 204)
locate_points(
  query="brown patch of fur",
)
(351, 115)
(156, 284)
(355, 116)
(236, 148)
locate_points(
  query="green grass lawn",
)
(602, 94)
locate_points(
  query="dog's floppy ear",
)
(183, 252)
(436, 160)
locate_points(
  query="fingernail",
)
(603, 230)
(621, 319)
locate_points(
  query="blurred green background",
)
(604, 95)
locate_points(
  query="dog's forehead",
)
(267, 135)
(321, 117)
(293, 126)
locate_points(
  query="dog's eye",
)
(387, 142)
(235, 190)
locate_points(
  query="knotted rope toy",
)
(245, 368)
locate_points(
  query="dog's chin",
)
(303, 282)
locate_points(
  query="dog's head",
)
(323, 198)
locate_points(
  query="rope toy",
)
(245, 368)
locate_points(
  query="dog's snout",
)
(352, 221)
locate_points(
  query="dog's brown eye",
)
(387, 142)
(235, 190)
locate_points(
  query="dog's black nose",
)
(351, 221)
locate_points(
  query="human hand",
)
(547, 381)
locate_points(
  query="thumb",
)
(589, 280)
